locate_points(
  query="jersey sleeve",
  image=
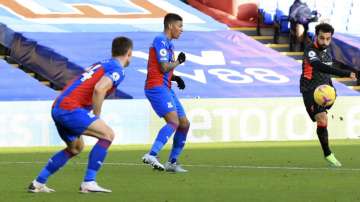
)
(116, 76)
(159, 45)
(311, 55)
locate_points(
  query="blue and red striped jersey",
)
(78, 93)
(161, 50)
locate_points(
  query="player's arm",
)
(316, 63)
(331, 70)
(168, 66)
(344, 66)
(162, 56)
(100, 90)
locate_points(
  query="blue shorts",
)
(72, 123)
(163, 100)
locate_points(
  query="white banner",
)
(212, 120)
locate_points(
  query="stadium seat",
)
(282, 24)
(266, 13)
(233, 13)
(282, 15)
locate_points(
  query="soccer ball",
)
(324, 95)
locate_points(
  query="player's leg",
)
(65, 122)
(56, 162)
(318, 115)
(179, 139)
(162, 103)
(105, 135)
(172, 122)
(322, 132)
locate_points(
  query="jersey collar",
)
(116, 62)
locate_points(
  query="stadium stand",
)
(281, 19)
(235, 76)
(234, 13)
(266, 13)
(16, 85)
(59, 56)
(341, 14)
(346, 48)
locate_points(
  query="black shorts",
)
(311, 107)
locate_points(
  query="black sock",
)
(323, 138)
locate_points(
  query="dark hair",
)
(120, 46)
(325, 28)
(170, 18)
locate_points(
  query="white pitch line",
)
(203, 166)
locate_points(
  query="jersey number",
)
(89, 72)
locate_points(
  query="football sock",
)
(322, 133)
(96, 159)
(54, 164)
(178, 143)
(162, 137)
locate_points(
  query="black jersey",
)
(317, 68)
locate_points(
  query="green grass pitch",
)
(250, 171)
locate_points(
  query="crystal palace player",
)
(318, 65)
(73, 117)
(161, 65)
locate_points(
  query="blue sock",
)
(178, 144)
(162, 137)
(54, 164)
(96, 159)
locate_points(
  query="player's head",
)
(324, 32)
(122, 47)
(173, 25)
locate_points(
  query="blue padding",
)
(43, 60)
(346, 49)
(17, 85)
(236, 54)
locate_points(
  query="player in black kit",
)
(317, 68)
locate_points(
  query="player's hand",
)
(181, 57)
(180, 82)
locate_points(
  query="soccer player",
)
(161, 65)
(317, 67)
(76, 112)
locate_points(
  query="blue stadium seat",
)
(282, 15)
(266, 13)
(268, 9)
